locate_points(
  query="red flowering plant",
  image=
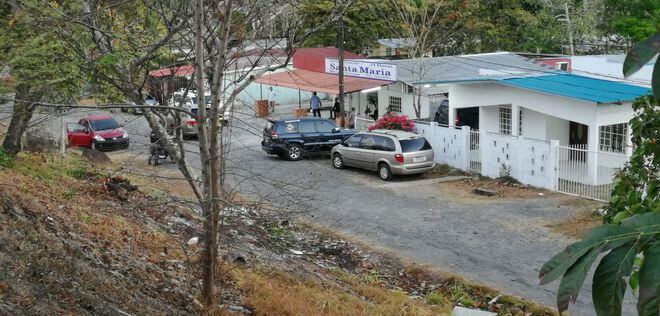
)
(393, 121)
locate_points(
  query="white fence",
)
(587, 173)
(539, 163)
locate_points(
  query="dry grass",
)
(274, 293)
(585, 217)
(463, 190)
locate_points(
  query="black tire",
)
(384, 171)
(294, 152)
(338, 161)
(281, 155)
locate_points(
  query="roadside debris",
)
(484, 192)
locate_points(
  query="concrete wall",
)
(450, 145)
(528, 161)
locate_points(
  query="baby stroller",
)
(157, 152)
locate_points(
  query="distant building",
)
(610, 67)
(394, 48)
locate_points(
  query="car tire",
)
(384, 171)
(338, 161)
(294, 152)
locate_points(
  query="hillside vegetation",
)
(75, 241)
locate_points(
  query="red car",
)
(100, 132)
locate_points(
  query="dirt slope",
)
(70, 243)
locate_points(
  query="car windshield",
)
(104, 124)
(415, 144)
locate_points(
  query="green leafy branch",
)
(637, 234)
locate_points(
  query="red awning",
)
(178, 71)
(318, 81)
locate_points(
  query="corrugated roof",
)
(397, 42)
(317, 81)
(477, 67)
(579, 87)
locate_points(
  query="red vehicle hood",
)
(111, 133)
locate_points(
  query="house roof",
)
(177, 71)
(317, 81)
(314, 58)
(479, 67)
(579, 87)
(397, 42)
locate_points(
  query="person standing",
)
(271, 99)
(335, 109)
(351, 118)
(315, 104)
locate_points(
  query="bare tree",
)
(422, 26)
(228, 34)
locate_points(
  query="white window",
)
(520, 121)
(562, 66)
(395, 104)
(505, 120)
(613, 138)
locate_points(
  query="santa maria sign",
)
(362, 68)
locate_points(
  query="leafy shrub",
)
(393, 121)
(5, 160)
(631, 237)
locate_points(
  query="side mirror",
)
(336, 130)
(86, 130)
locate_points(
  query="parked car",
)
(148, 101)
(389, 152)
(100, 132)
(295, 137)
(442, 113)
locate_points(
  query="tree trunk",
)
(22, 113)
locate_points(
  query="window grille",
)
(613, 138)
(395, 104)
(505, 120)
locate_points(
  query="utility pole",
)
(341, 70)
(570, 30)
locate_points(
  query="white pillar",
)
(451, 114)
(515, 108)
(553, 166)
(592, 156)
(465, 151)
(629, 145)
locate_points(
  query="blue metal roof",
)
(579, 87)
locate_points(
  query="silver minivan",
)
(389, 152)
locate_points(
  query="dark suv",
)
(292, 138)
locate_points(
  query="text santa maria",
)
(362, 68)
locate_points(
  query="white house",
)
(544, 127)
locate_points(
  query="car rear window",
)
(415, 144)
(106, 124)
(287, 127)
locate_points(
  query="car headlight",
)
(99, 138)
(125, 135)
